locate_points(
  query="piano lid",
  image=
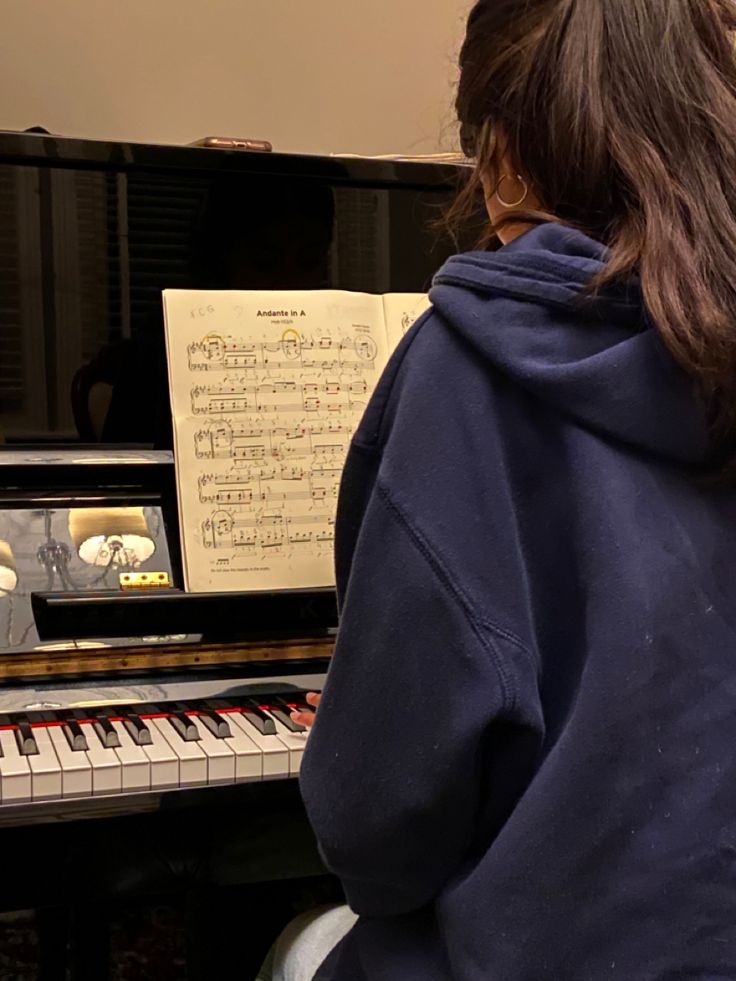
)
(94, 231)
(41, 149)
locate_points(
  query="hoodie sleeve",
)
(396, 769)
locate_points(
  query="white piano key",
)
(295, 742)
(45, 767)
(76, 770)
(164, 761)
(192, 761)
(107, 773)
(275, 754)
(136, 765)
(15, 773)
(220, 756)
(248, 757)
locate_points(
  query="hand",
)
(307, 718)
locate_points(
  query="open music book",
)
(266, 391)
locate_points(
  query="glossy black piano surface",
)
(91, 234)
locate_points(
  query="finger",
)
(303, 718)
(314, 698)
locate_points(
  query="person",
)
(522, 766)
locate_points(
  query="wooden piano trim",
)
(55, 664)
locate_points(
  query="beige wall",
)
(364, 76)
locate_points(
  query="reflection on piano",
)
(145, 741)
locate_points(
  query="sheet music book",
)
(267, 389)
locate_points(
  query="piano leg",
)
(52, 924)
(82, 932)
(90, 942)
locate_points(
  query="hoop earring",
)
(522, 199)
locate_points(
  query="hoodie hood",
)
(598, 360)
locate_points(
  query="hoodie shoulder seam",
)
(482, 627)
(496, 290)
(568, 299)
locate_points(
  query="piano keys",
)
(121, 750)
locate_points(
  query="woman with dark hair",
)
(522, 766)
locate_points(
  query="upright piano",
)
(145, 734)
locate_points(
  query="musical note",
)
(293, 351)
(267, 390)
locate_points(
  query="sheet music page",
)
(266, 391)
(400, 312)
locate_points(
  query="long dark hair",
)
(621, 114)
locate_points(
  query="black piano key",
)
(106, 731)
(216, 724)
(79, 714)
(144, 709)
(184, 726)
(282, 714)
(75, 715)
(109, 712)
(252, 711)
(214, 703)
(178, 707)
(182, 708)
(27, 745)
(297, 702)
(252, 714)
(74, 735)
(20, 725)
(137, 729)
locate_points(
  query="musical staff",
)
(237, 396)
(292, 352)
(260, 530)
(222, 440)
(275, 490)
(267, 390)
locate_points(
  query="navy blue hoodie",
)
(524, 765)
